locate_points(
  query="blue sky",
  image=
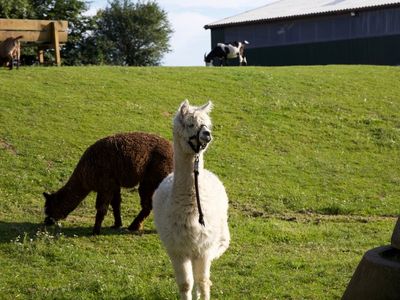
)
(190, 40)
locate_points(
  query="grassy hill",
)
(310, 157)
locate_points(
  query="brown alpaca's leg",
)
(116, 206)
(10, 61)
(103, 200)
(146, 191)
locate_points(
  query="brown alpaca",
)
(122, 160)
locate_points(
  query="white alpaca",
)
(190, 245)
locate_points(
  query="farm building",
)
(314, 32)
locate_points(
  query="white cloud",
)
(205, 4)
(190, 40)
(94, 6)
(91, 12)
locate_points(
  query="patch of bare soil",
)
(8, 147)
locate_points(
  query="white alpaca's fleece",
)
(177, 219)
(191, 246)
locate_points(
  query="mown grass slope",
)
(309, 157)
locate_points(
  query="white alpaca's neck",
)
(183, 169)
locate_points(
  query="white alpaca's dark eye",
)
(190, 125)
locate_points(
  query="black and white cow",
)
(224, 51)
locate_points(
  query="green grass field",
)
(310, 157)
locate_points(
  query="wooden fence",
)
(45, 33)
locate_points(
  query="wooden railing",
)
(44, 33)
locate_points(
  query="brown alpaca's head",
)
(51, 210)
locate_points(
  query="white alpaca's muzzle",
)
(202, 138)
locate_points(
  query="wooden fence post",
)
(41, 56)
(56, 43)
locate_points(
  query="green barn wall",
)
(374, 51)
(217, 36)
(383, 50)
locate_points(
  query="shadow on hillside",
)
(154, 296)
(11, 230)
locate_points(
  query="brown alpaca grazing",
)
(122, 160)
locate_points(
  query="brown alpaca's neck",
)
(70, 195)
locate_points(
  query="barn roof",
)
(283, 9)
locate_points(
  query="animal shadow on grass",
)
(153, 296)
(10, 230)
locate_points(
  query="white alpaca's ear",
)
(184, 108)
(207, 107)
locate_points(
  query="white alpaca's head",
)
(192, 126)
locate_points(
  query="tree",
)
(134, 34)
(78, 24)
(17, 9)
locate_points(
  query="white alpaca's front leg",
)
(183, 276)
(201, 270)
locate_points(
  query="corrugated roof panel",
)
(296, 8)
